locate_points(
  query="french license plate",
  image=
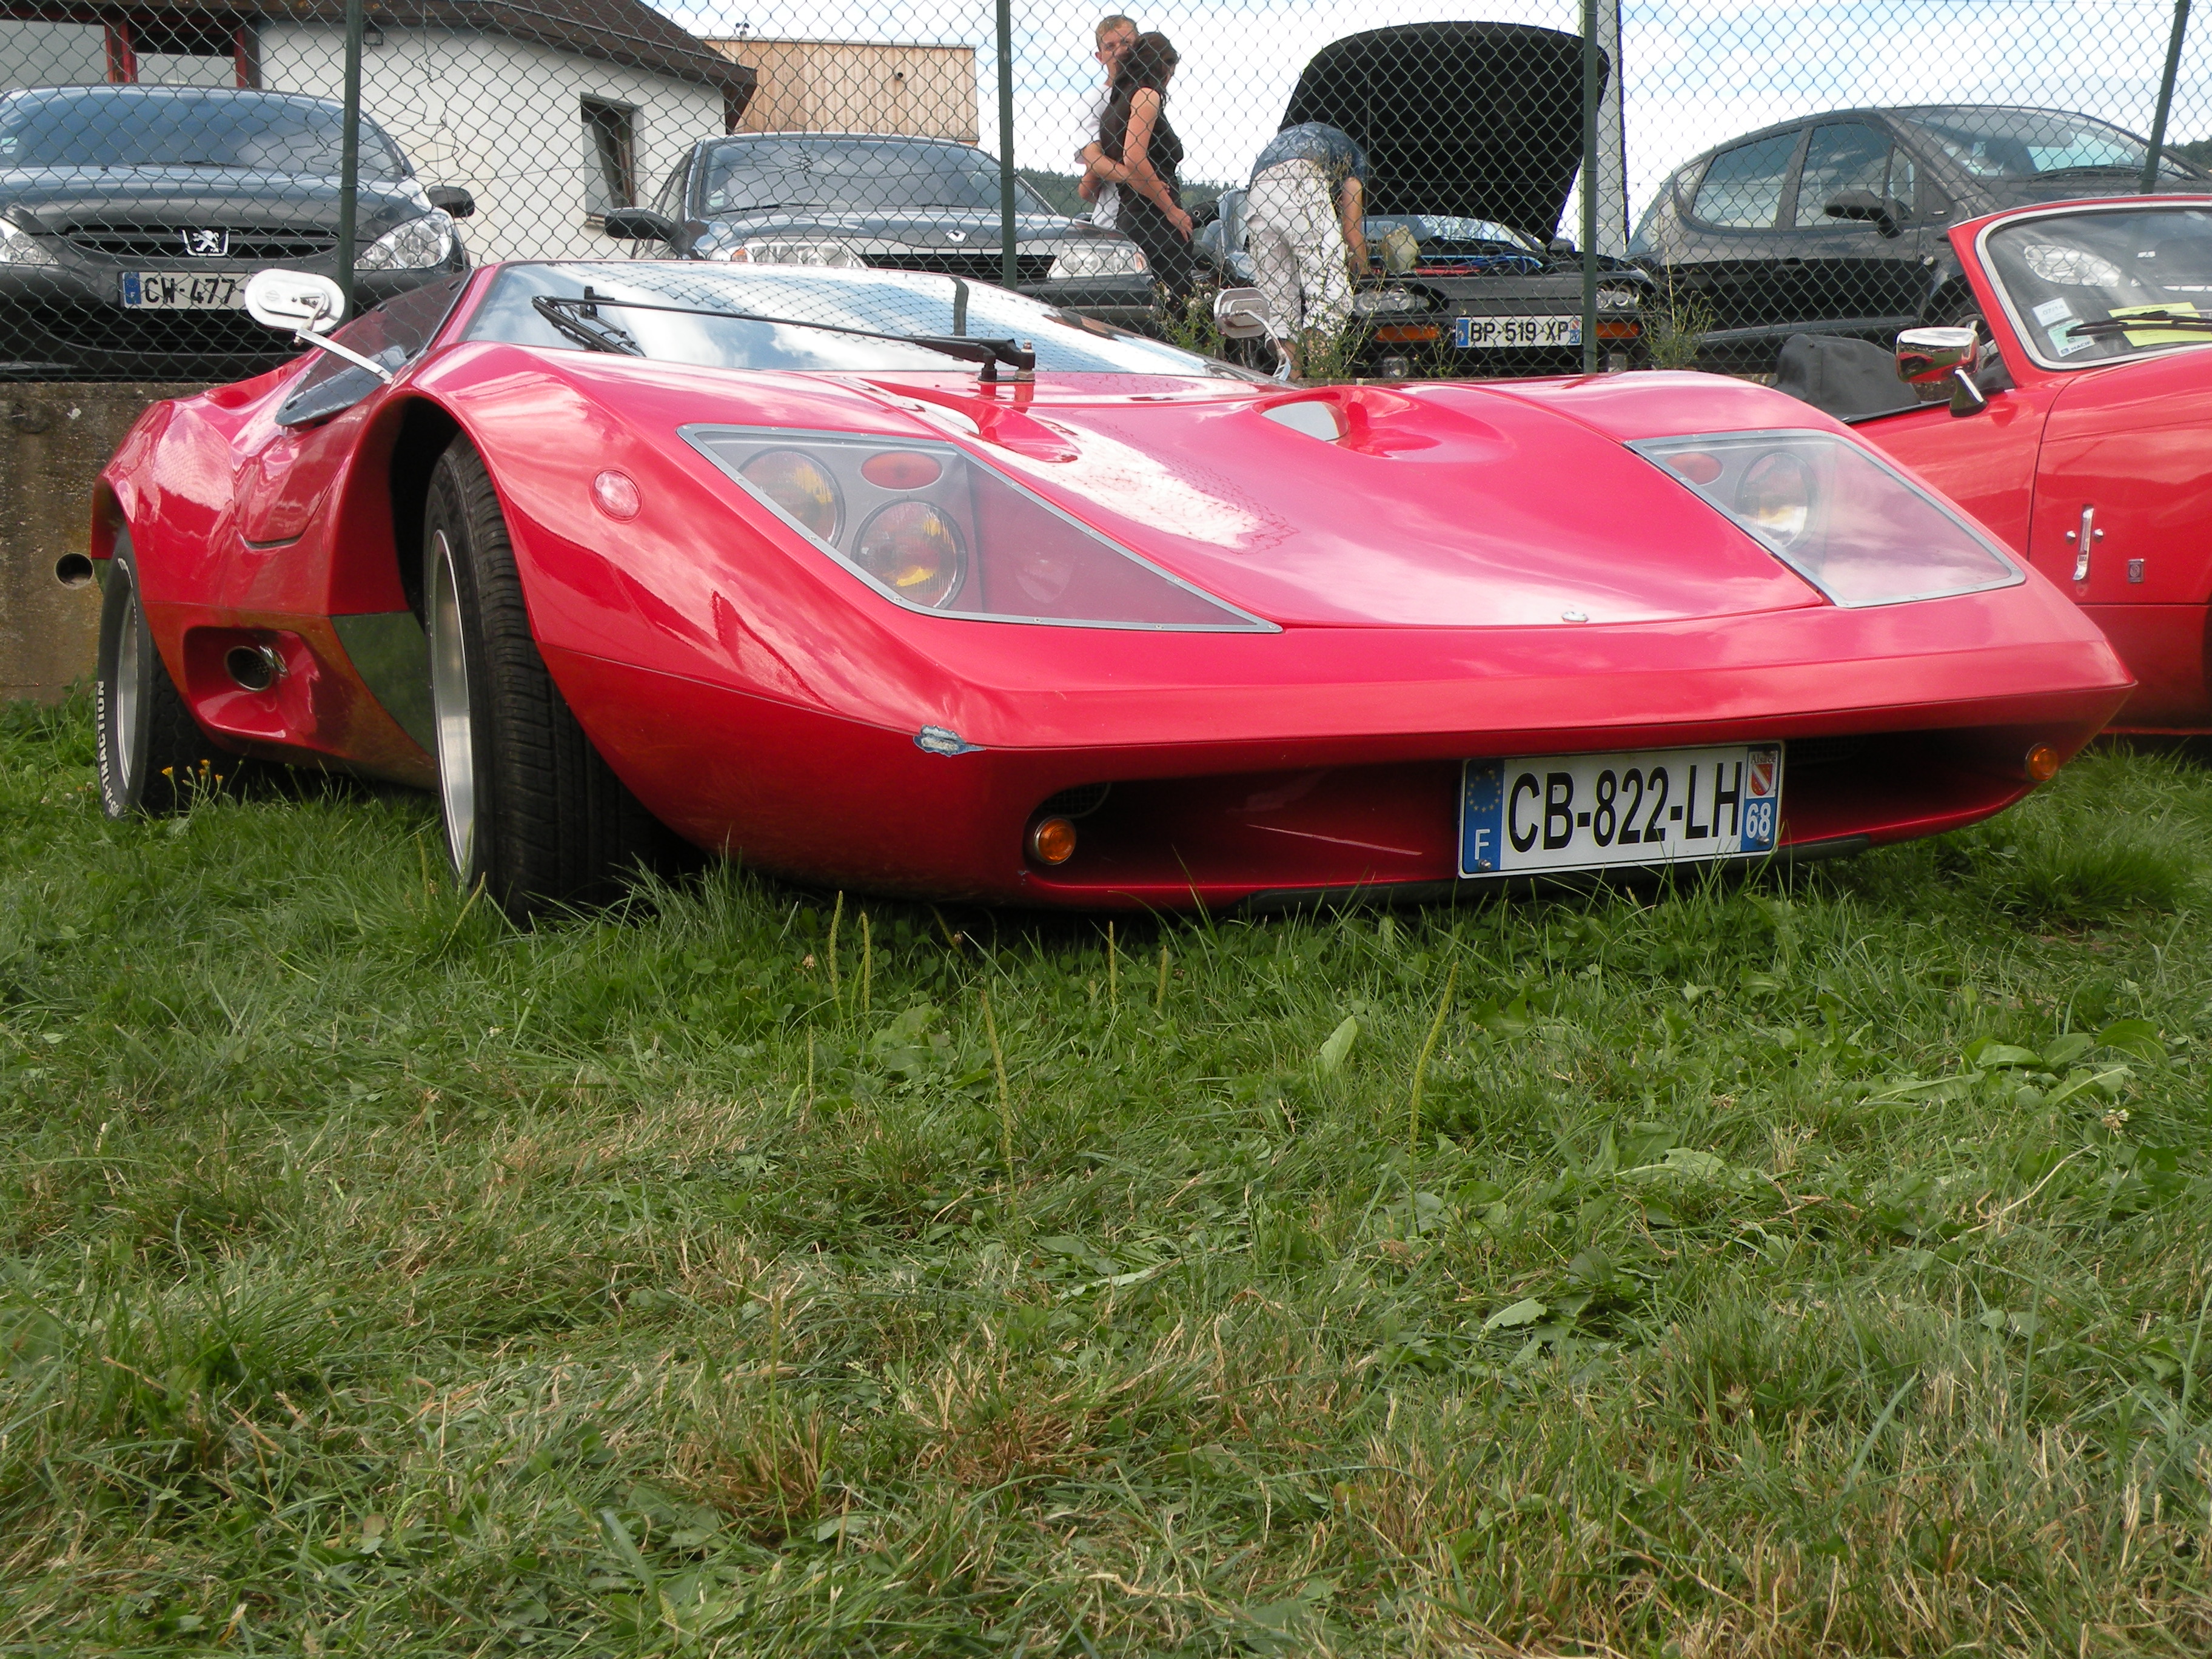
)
(1591, 811)
(162, 290)
(1501, 333)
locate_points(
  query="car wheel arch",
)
(420, 431)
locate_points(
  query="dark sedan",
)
(1836, 223)
(858, 199)
(132, 216)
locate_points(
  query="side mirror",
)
(638, 224)
(298, 302)
(1241, 313)
(1863, 204)
(453, 199)
(1930, 357)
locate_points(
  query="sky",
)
(1697, 73)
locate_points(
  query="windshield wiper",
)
(1020, 356)
(585, 325)
(2142, 319)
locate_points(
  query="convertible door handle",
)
(2083, 538)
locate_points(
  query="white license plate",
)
(1501, 333)
(1591, 811)
(163, 290)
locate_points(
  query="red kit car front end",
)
(890, 581)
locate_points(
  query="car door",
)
(1853, 275)
(1733, 236)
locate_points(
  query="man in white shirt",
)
(1113, 37)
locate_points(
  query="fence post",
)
(349, 152)
(1590, 93)
(1009, 270)
(2165, 97)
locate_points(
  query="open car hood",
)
(1475, 120)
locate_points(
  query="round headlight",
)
(1776, 496)
(913, 549)
(801, 486)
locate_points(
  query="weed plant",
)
(1814, 1265)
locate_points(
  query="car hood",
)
(1449, 506)
(1475, 120)
(950, 230)
(63, 198)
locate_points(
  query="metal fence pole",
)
(1591, 85)
(350, 153)
(1008, 270)
(2165, 96)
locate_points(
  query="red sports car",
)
(2089, 451)
(893, 581)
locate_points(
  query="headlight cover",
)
(416, 245)
(19, 248)
(1837, 514)
(795, 251)
(1097, 257)
(932, 529)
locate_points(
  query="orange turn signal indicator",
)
(1052, 840)
(2042, 762)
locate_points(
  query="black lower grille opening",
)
(1079, 802)
(1809, 753)
(983, 267)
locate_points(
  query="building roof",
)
(625, 32)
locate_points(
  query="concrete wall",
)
(504, 118)
(858, 85)
(53, 441)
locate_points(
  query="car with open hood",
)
(1473, 133)
(1841, 222)
(866, 201)
(130, 218)
(2076, 427)
(890, 581)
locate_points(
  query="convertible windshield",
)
(2088, 287)
(854, 175)
(2028, 144)
(184, 127)
(902, 303)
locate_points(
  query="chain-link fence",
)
(1401, 188)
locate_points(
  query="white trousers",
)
(1296, 245)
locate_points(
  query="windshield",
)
(2017, 144)
(2075, 282)
(185, 127)
(854, 175)
(1429, 228)
(883, 301)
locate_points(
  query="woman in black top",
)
(1141, 154)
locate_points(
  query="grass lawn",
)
(1814, 1266)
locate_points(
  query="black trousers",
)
(1173, 266)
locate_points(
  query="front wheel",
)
(532, 814)
(154, 758)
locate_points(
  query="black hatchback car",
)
(1835, 223)
(130, 217)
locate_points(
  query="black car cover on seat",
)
(1852, 380)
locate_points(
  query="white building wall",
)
(504, 119)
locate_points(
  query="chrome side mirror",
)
(1241, 313)
(309, 306)
(1931, 356)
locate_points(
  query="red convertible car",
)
(2085, 441)
(893, 581)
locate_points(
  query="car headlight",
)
(416, 245)
(2070, 267)
(1837, 514)
(1097, 257)
(793, 251)
(1371, 302)
(1616, 299)
(19, 248)
(932, 527)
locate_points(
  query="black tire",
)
(532, 812)
(154, 758)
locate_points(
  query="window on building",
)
(37, 52)
(186, 49)
(176, 49)
(610, 138)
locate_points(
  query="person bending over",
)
(1304, 215)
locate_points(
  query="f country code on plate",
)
(1591, 811)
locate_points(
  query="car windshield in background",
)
(1428, 229)
(880, 301)
(2086, 287)
(854, 175)
(184, 127)
(2021, 144)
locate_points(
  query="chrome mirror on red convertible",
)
(1930, 357)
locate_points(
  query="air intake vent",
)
(1077, 802)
